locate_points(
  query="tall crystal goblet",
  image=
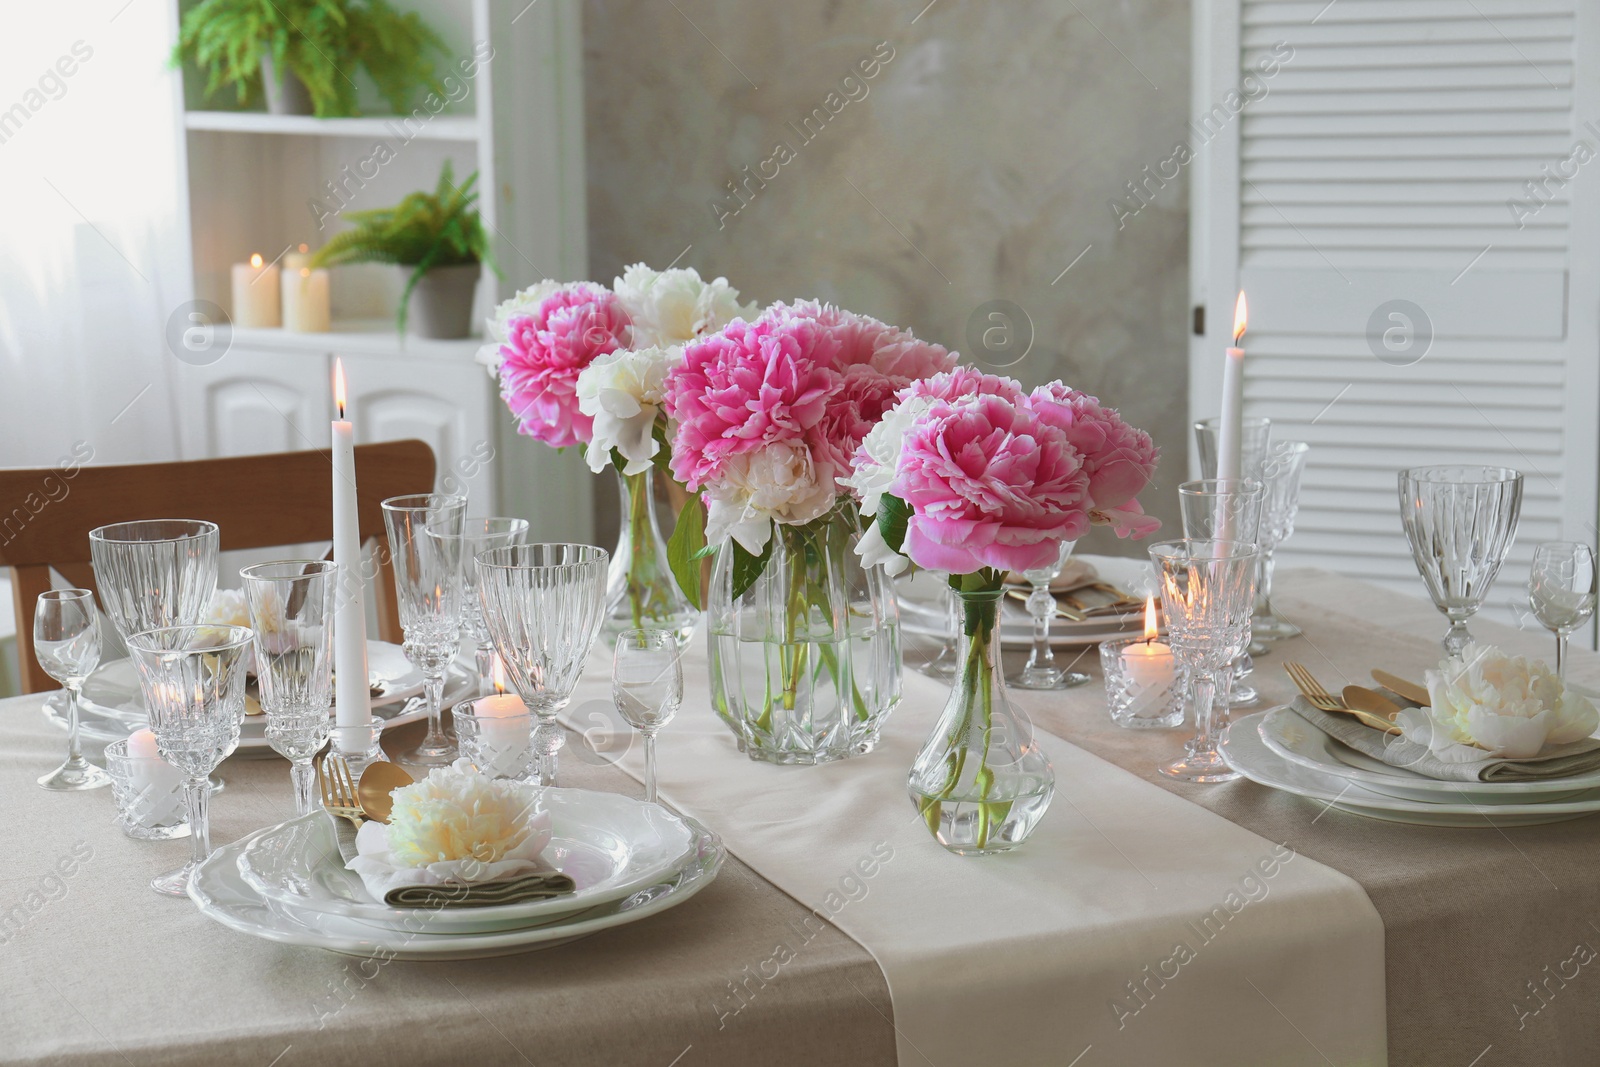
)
(1460, 521)
(291, 605)
(1561, 591)
(154, 573)
(1280, 475)
(66, 641)
(1253, 443)
(477, 536)
(192, 678)
(647, 686)
(1207, 589)
(1226, 509)
(544, 604)
(1041, 672)
(427, 579)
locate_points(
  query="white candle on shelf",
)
(503, 728)
(352, 698)
(299, 258)
(1149, 663)
(305, 301)
(255, 293)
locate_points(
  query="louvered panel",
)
(1297, 14)
(1416, 216)
(1310, 257)
(1328, 31)
(1535, 99)
(1382, 196)
(1330, 125)
(1429, 146)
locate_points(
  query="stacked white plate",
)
(922, 609)
(1278, 748)
(629, 860)
(112, 706)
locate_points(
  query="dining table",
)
(1146, 921)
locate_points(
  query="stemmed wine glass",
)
(544, 604)
(427, 578)
(1460, 522)
(1207, 589)
(1280, 504)
(154, 573)
(647, 685)
(1041, 672)
(1225, 509)
(291, 611)
(66, 640)
(193, 683)
(480, 535)
(1561, 591)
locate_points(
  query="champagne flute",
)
(647, 685)
(1561, 591)
(66, 640)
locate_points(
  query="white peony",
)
(776, 483)
(876, 464)
(875, 551)
(673, 307)
(525, 302)
(228, 608)
(622, 392)
(1490, 703)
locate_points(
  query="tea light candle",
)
(1149, 663)
(157, 783)
(502, 727)
(305, 301)
(255, 293)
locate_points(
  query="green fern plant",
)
(423, 231)
(323, 42)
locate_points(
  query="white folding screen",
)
(1406, 190)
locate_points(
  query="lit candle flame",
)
(497, 673)
(255, 260)
(305, 272)
(338, 384)
(304, 248)
(1151, 630)
(1240, 315)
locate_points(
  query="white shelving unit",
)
(264, 183)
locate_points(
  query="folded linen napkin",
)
(392, 888)
(1557, 761)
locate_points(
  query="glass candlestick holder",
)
(1144, 684)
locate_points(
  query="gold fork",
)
(338, 788)
(1323, 700)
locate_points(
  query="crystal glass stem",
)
(303, 777)
(547, 742)
(1042, 606)
(436, 743)
(197, 799)
(484, 658)
(649, 766)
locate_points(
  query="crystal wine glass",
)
(1561, 591)
(193, 683)
(1211, 508)
(1280, 476)
(544, 604)
(480, 535)
(1460, 522)
(427, 579)
(66, 640)
(1253, 443)
(647, 685)
(944, 663)
(1041, 672)
(1207, 588)
(155, 573)
(291, 611)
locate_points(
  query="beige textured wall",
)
(975, 165)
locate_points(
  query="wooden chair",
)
(282, 498)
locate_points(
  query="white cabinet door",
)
(253, 401)
(445, 403)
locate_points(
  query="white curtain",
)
(92, 256)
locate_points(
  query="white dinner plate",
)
(1298, 741)
(222, 894)
(1246, 752)
(609, 844)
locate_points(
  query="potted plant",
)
(302, 52)
(439, 237)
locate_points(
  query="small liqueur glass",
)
(1561, 591)
(1041, 672)
(66, 641)
(427, 578)
(1207, 590)
(647, 685)
(291, 604)
(193, 683)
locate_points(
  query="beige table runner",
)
(97, 969)
(1132, 928)
(1487, 930)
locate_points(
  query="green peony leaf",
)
(747, 568)
(893, 514)
(687, 547)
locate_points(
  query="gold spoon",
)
(378, 781)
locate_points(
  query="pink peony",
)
(544, 353)
(989, 485)
(1119, 459)
(961, 382)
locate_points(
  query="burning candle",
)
(1149, 663)
(504, 729)
(352, 697)
(1230, 429)
(298, 259)
(157, 783)
(255, 293)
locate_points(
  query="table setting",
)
(901, 746)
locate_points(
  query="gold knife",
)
(1410, 690)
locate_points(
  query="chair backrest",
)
(281, 498)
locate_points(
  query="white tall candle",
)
(255, 293)
(305, 301)
(1230, 428)
(352, 698)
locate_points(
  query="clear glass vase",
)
(805, 665)
(641, 592)
(981, 781)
